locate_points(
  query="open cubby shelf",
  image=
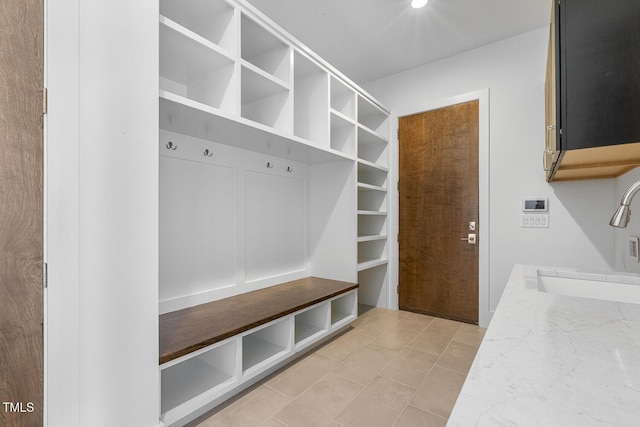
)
(310, 324)
(213, 20)
(343, 309)
(343, 99)
(194, 70)
(265, 344)
(343, 134)
(372, 225)
(264, 50)
(200, 374)
(367, 166)
(373, 118)
(264, 99)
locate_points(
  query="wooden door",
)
(21, 213)
(438, 272)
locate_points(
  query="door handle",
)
(471, 238)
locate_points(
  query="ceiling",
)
(369, 39)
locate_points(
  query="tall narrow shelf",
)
(310, 86)
(373, 202)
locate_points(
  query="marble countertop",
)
(554, 360)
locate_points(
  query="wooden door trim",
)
(482, 95)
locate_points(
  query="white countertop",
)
(553, 360)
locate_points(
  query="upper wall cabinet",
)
(593, 87)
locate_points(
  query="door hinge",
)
(45, 275)
(44, 100)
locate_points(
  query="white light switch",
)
(534, 221)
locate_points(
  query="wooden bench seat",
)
(185, 331)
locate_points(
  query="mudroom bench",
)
(212, 351)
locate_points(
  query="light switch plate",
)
(534, 221)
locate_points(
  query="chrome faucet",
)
(620, 219)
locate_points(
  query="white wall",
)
(513, 70)
(102, 213)
(621, 251)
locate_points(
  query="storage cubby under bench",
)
(211, 351)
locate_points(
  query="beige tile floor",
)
(391, 369)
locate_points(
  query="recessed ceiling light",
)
(417, 4)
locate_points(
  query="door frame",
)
(482, 95)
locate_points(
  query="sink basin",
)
(595, 286)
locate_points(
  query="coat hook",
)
(289, 169)
(269, 165)
(208, 153)
(171, 146)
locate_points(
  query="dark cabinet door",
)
(599, 72)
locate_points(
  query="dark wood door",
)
(21, 213)
(438, 272)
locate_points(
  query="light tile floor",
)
(391, 369)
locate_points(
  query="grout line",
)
(428, 412)
(401, 412)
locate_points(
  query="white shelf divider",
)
(373, 213)
(368, 187)
(212, 20)
(365, 265)
(371, 238)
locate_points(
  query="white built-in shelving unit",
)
(273, 167)
(373, 202)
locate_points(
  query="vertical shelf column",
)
(343, 117)
(373, 202)
(265, 76)
(310, 89)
